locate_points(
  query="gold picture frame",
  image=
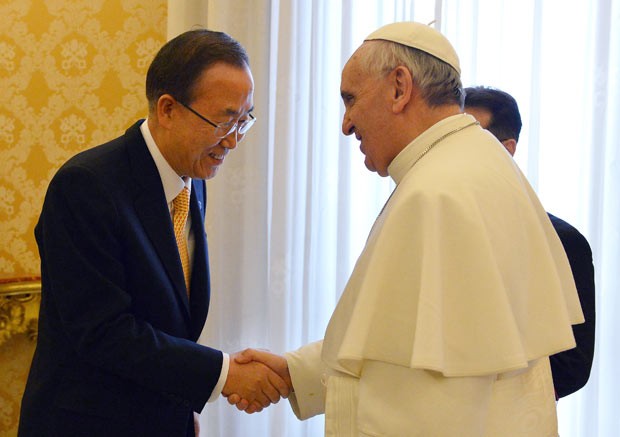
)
(19, 307)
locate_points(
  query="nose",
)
(347, 126)
(231, 140)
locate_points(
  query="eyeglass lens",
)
(242, 127)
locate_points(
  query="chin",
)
(369, 166)
(211, 173)
(208, 176)
(205, 172)
(383, 172)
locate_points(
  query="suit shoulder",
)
(569, 235)
(104, 158)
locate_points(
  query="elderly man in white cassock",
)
(463, 289)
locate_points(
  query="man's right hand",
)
(252, 384)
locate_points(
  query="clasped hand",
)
(256, 379)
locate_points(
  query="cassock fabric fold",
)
(462, 272)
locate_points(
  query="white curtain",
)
(290, 209)
(561, 61)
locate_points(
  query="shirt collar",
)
(171, 181)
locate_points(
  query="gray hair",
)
(439, 82)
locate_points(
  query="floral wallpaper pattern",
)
(71, 77)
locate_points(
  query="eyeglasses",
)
(222, 130)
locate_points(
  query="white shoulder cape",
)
(462, 272)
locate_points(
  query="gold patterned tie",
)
(179, 219)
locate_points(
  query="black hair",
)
(180, 62)
(505, 117)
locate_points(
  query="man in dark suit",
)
(497, 111)
(124, 295)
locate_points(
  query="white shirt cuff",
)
(217, 390)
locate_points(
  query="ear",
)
(402, 83)
(165, 109)
(510, 145)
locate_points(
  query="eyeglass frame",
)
(236, 127)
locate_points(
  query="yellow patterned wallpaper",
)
(71, 77)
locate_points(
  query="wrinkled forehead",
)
(353, 69)
(359, 55)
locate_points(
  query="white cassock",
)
(461, 293)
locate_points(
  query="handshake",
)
(256, 379)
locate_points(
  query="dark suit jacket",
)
(571, 369)
(116, 352)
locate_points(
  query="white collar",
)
(171, 181)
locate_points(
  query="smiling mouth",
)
(217, 157)
(359, 138)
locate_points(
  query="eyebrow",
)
(233, 113)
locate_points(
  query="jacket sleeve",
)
(307, 369)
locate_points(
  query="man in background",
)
(441, 329)
(498, 112)
(124, 262)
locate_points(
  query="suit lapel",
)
(153, 212)
(161, 234)
(200, 285)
